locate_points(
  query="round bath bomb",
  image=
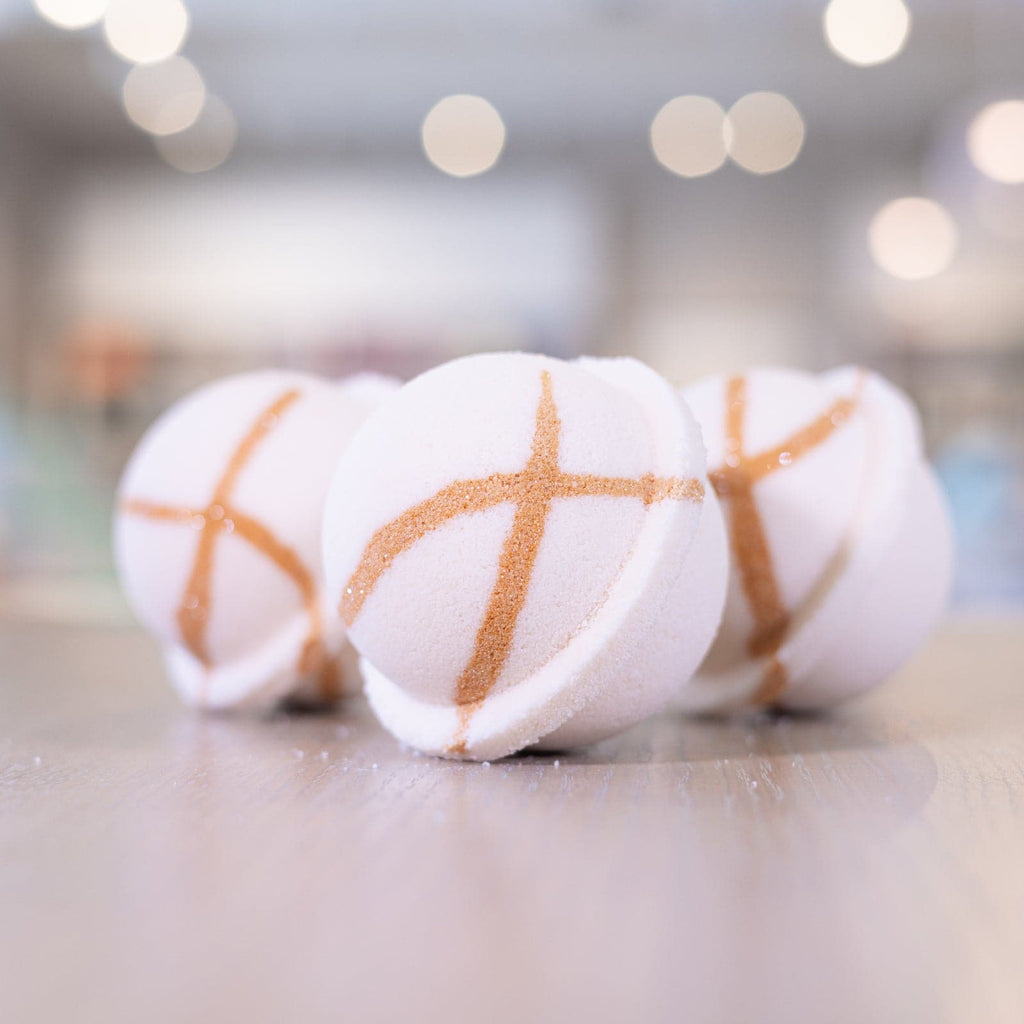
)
(217, 536)
(525, 551)
(840, 539)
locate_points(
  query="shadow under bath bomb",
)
(526, 553)
(217, 536)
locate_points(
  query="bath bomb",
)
(525, 551)
(217, 536)
(839, 535)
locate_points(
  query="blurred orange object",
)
(105, 360)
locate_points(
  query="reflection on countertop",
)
(862, 865)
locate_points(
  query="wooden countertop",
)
(161, 866)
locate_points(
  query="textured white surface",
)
(257, 624)
(606, 572)
(858, 533)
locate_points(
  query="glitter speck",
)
(299, 754)
(216, 512)
(558, 764)
(785, 458)
(732, 460)
(198, 521)
(229, 526)
(191, 602)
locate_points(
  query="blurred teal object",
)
(983, 476)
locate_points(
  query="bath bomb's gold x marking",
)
(220, 517)
(531, 490)
(734, 484)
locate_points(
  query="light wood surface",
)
(157, 865)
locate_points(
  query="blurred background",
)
(194, 189)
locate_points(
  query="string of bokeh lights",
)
(163, 93)
(463, 135)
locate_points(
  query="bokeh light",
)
(206, 144)
(913, 238)
(995, 141)
(145, 31)
(865, 32)
(164, 98)
(463, 135)
(71, 13)
(764, 132)
(687, 136)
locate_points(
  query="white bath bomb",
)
(217, 536)
(525, 551)
(839, 535)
